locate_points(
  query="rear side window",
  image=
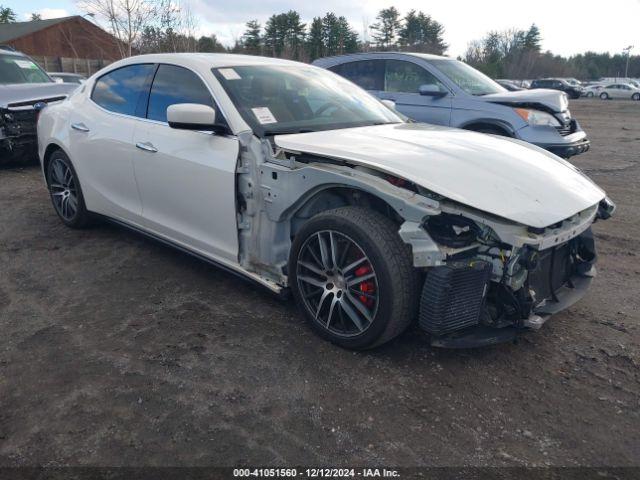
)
(173, 85)
(119, 91)
(407, 77)
(368, 74)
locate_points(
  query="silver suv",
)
(24, 89)
(444, 91)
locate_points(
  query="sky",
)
(567, 27)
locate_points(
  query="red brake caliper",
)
(366, 286)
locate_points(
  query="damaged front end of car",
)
(497, 279)
(18, 136)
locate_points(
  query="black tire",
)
(78, 217)
(635, 96)
(391, 261)
(604, 96)
(589, 95)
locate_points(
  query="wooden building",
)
(63, 44)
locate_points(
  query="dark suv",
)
(574, 91)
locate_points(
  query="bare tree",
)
(126, 19)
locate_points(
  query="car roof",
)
(15, 53)
(66, 74)
(204, 60)
(425, 56)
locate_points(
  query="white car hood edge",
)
(504, 177)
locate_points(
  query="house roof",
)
(11, 31)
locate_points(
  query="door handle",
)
(147, 147)
(81, 127)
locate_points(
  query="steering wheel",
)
(327, 106)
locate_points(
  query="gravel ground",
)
(116, 350)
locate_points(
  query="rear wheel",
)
(352, 277)
(65, 192)
(604, 96)
(635, 96)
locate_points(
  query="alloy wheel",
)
(338, 283)
(63, 189)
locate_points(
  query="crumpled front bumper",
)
(481, 335)
(18, 140)
(550, 139)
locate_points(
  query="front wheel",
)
(635, 96)
(604, 96)
(589, 94)
(353, 277)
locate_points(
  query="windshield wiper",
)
(268, 133)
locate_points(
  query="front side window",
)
(467, 78)
(119, 91)
(407, 77)
(276, 99)
(368, 74)
(173, 85)
(18, 69)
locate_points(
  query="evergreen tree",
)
(315, 39)
(347, 37)
(36, 17)
(420, 33)
(386, 28)
(251, 39)
(284, 35)
(209, 44)
(7, 15)
(532, 40)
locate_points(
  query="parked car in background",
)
(297, 179)
(594, 90)
(572, 81)
(24, 88)
(68, 77)
(615, 80)
(509, 85)
(444, 91)
(620, 90)
(573, 91)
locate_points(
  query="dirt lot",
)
(118, 351)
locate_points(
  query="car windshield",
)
(278, 99)
(467, 78)
(18, 69)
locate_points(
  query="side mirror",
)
(192, 116)
(431, 90)
(390, 104)
(58, 80)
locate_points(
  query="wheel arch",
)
(288, 198)
(492, 124)
(48, 152)
(331, 196)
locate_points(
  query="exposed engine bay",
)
(488, 290)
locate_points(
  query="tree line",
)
(153, 26)
(286, 35)
(517, 54)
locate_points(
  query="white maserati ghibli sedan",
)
(297, 179)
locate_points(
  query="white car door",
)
(618, 91)
(186, 178)
(101, 142)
